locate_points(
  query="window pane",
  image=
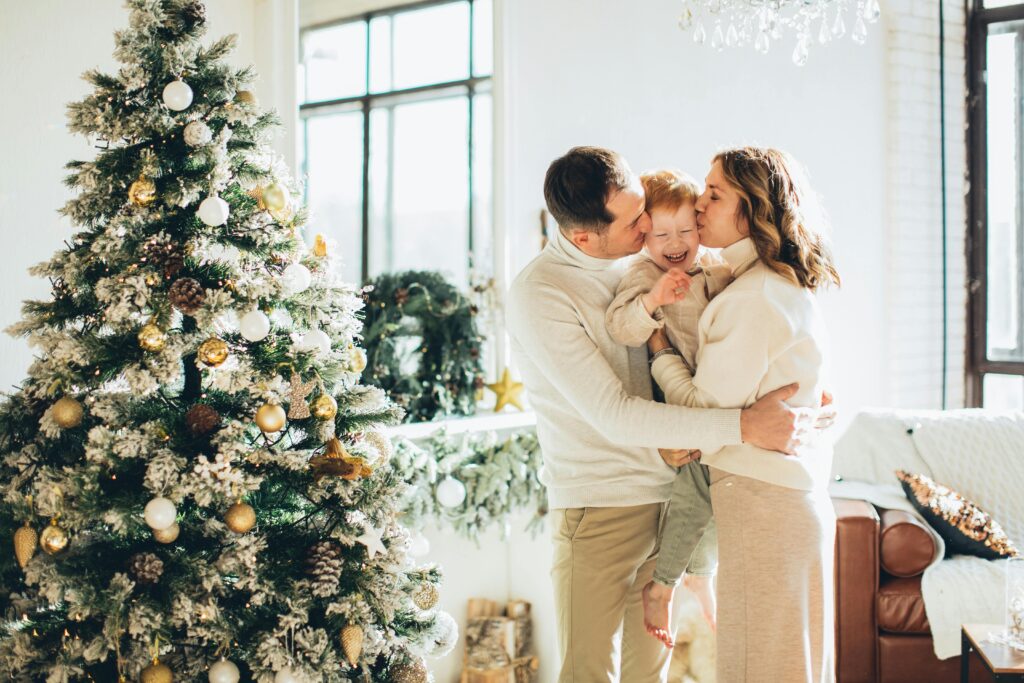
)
(431, 45)
(1004, 226)
(334, 163)
(483, 38)
(1004, 392)
(335, 59)
(1000, 3)
(381, 77)
(423, 205)
(483, 208)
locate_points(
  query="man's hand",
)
(677, 457)
(772, 424)
(671, 287)
(658, 341)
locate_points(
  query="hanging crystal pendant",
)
(824, 35)
(717, 39)
(872, 11)
(762, 42)
(800, 52)
(731, 37)
(839, 27)
(699, 34)
(860, 31)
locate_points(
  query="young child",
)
(668, 285)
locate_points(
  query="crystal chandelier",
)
(734, 23)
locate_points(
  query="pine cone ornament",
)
(202, 419)
(324, 565)
(146, 567)
(186, 295)
(165, 256)
(352, 643)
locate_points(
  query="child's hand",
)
(671, 287)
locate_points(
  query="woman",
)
(775, 521)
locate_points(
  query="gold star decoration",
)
(298, 408)
(507, 392)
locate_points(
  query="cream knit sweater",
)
(598, 428)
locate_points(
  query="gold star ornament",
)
(506, 391)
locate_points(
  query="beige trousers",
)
(603, 559)
(775, 599)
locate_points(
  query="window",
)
(396, 110)
(996, 146)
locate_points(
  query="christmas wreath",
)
(422, 344)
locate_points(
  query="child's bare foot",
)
(703, 588)
(657, 607)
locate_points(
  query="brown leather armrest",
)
(906, 546)
(857, 529)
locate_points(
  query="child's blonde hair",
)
(669, 189)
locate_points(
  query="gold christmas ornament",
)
(240, 517)
(168, 535)
(298, 407)
(324, 407)
(142, 192)
(274, 199)
(426, 596)
(320, 246)
(352, 643)
(67, 413)
(357, 360)
(412, 671)
(157, 673)
(270, 418)
(245, 97)
(54, 539)
(506, 391)
(213, 352)
(152, 338)
(335, 461)
(26, 540)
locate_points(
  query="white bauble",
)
(197, 134)
(160, 513)
(214, 211)
(316, 340)
(419, 546)
(296, 278)
(254, 326)
(177, 95)
(224, 671)
(451, 492)
(286, 675)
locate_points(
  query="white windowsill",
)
(481, 422)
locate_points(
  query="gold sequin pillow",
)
(966, 528)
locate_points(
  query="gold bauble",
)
(270, 418)
(275, 197)
(324, 407)
(26, 540)
(240, 517)
(142, 192)
(157, 673)
(213, 352)
(168, 535)
(352, 643)
(426, 596)
(245, 97)
(357, 361)
(152, 338)
(54, 539)
(413, 671)
(67, 413)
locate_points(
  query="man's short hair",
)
(578, 184)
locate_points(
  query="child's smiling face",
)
(673, 240)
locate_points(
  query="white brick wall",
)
(914, 203)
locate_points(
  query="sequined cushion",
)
(966, 528)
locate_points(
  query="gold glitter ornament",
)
(413, 671)
(352, 643)
(213, 352)
(157, 673)
(142, 192)
(320, 246)
(168, 535)
(152, 338)
(26, 540)
(298, 407)
(324, 407)
(270, 418)
(54, 539)
(240, 517)
(425, 596)
(67, 413)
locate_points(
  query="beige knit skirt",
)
(775, 595)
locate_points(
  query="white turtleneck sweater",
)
(760, 333)
(598, 429)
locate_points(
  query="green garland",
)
(423, 305)
(500, 476)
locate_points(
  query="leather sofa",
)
(882, 632)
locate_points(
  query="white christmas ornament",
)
(419, 546)
(214, 211)
(451, 492)
(316, 340)
(286, 675)
(197, 134)
(296, 278)
(224, 671)
(254, 326)
(177, 95)
(160, 513)
(371, 539)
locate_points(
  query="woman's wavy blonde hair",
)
(774, 199)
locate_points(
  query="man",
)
(599, 430)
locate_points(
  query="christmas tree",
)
(192, 474)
